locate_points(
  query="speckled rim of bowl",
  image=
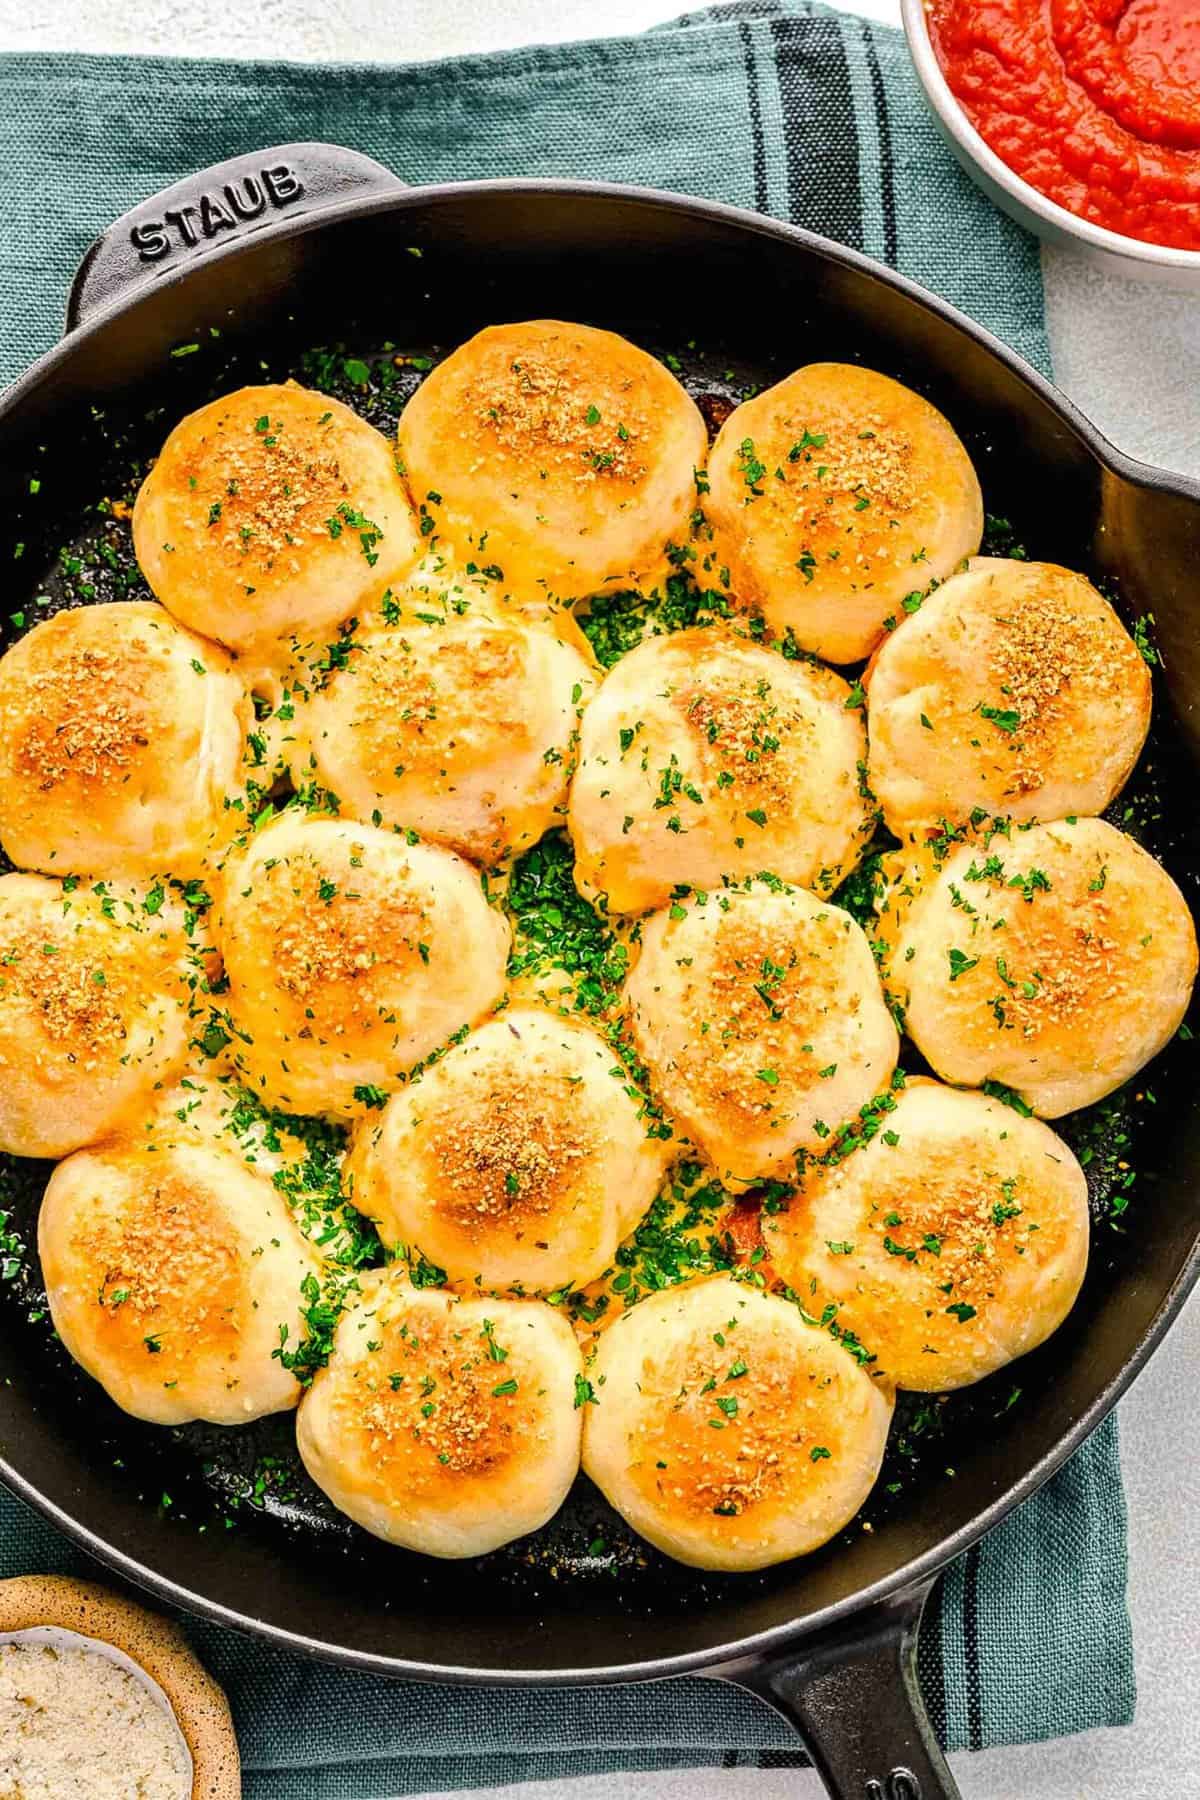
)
(102, 1617)
(1030, 207)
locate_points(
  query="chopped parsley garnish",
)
(1008, 1095)
(556, 928)
(425, 1274)
(752, 469)
(808, 440)
(1003, 718)
(615, 623)
(369, 534)
(895, 1249)
(1034, 881)
(676, 1240)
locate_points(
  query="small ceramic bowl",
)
(54, 1613)
(1130, 257)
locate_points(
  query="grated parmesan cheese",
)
(79, 1720)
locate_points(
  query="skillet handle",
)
(186, 222)
(852, 1695)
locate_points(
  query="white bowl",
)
(1120, 255)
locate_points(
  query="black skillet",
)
(257, 261)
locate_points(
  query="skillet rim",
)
(406, 197)
(914, 1574)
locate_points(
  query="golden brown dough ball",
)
(760, 1017)
(729, 1431)
(561, 456)
(464, 731)
(351, 954)
(521, 1158)
(120, 737)
(835, 494)
(1056, 961)
(703, 755)
(93, 1015)
(1015, 689)
(272, 512)
(440, 586)
(953, 1241)
(171, 1273)
(448, 1426)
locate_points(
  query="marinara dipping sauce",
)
(1096, 103)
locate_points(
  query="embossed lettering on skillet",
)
(224, 209)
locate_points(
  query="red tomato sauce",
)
(742, 1225)
(1096, 103)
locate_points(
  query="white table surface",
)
(1131, 358)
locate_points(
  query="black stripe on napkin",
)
(971, 1649)
(931, 1667)
(756, 125)
(818, 112)
(887, 161)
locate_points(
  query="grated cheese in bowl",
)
(80, 1720)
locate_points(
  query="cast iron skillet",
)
(308, 245)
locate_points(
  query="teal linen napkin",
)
(815, 117)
